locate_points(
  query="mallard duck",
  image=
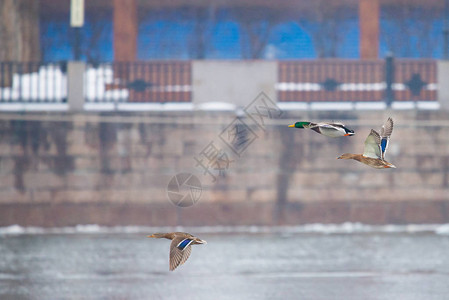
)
(375, 147)
(327, 129)
(180, 247)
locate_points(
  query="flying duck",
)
(375, 147)
(180, 247)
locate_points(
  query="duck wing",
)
(333, 126)
(372, 145)
(331, 129)
(180, 249)
(324, 125)
(310, 125)
(336, 124)
(385, 134)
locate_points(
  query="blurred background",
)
(126, 117)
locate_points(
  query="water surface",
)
(246, 264)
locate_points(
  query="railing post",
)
(389, 79)
(443, 89)
(75, 85)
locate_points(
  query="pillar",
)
(369, 28)
(443, 89)
(75, 85)
(125, 30)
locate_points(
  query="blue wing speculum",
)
(385, 134)
(184, 243)
(384, 145)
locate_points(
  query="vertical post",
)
(446, 31)
(75, 85)
(389, 79)
(443, 89)
(77, 22)
(369, 28)
(125, 30)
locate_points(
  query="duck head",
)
(160, 236)
(299, 124)
(346, 156)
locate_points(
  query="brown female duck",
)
(180, 247)
(375, 146)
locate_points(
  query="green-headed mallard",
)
(180, 247)
(327, 129)
(375, 147)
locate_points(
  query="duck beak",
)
(291, 125)
(349, 134)
(150, 236)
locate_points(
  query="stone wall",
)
(114, 170)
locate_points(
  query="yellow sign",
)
(76, 13)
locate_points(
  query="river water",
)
(348, 261)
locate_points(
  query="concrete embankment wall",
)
(65, 170)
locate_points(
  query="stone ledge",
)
(215, 214)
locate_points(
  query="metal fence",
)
(414, 80)
(139, 82)
(357, 80)
(171, 81)
(33, 82)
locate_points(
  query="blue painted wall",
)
(162, 39)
